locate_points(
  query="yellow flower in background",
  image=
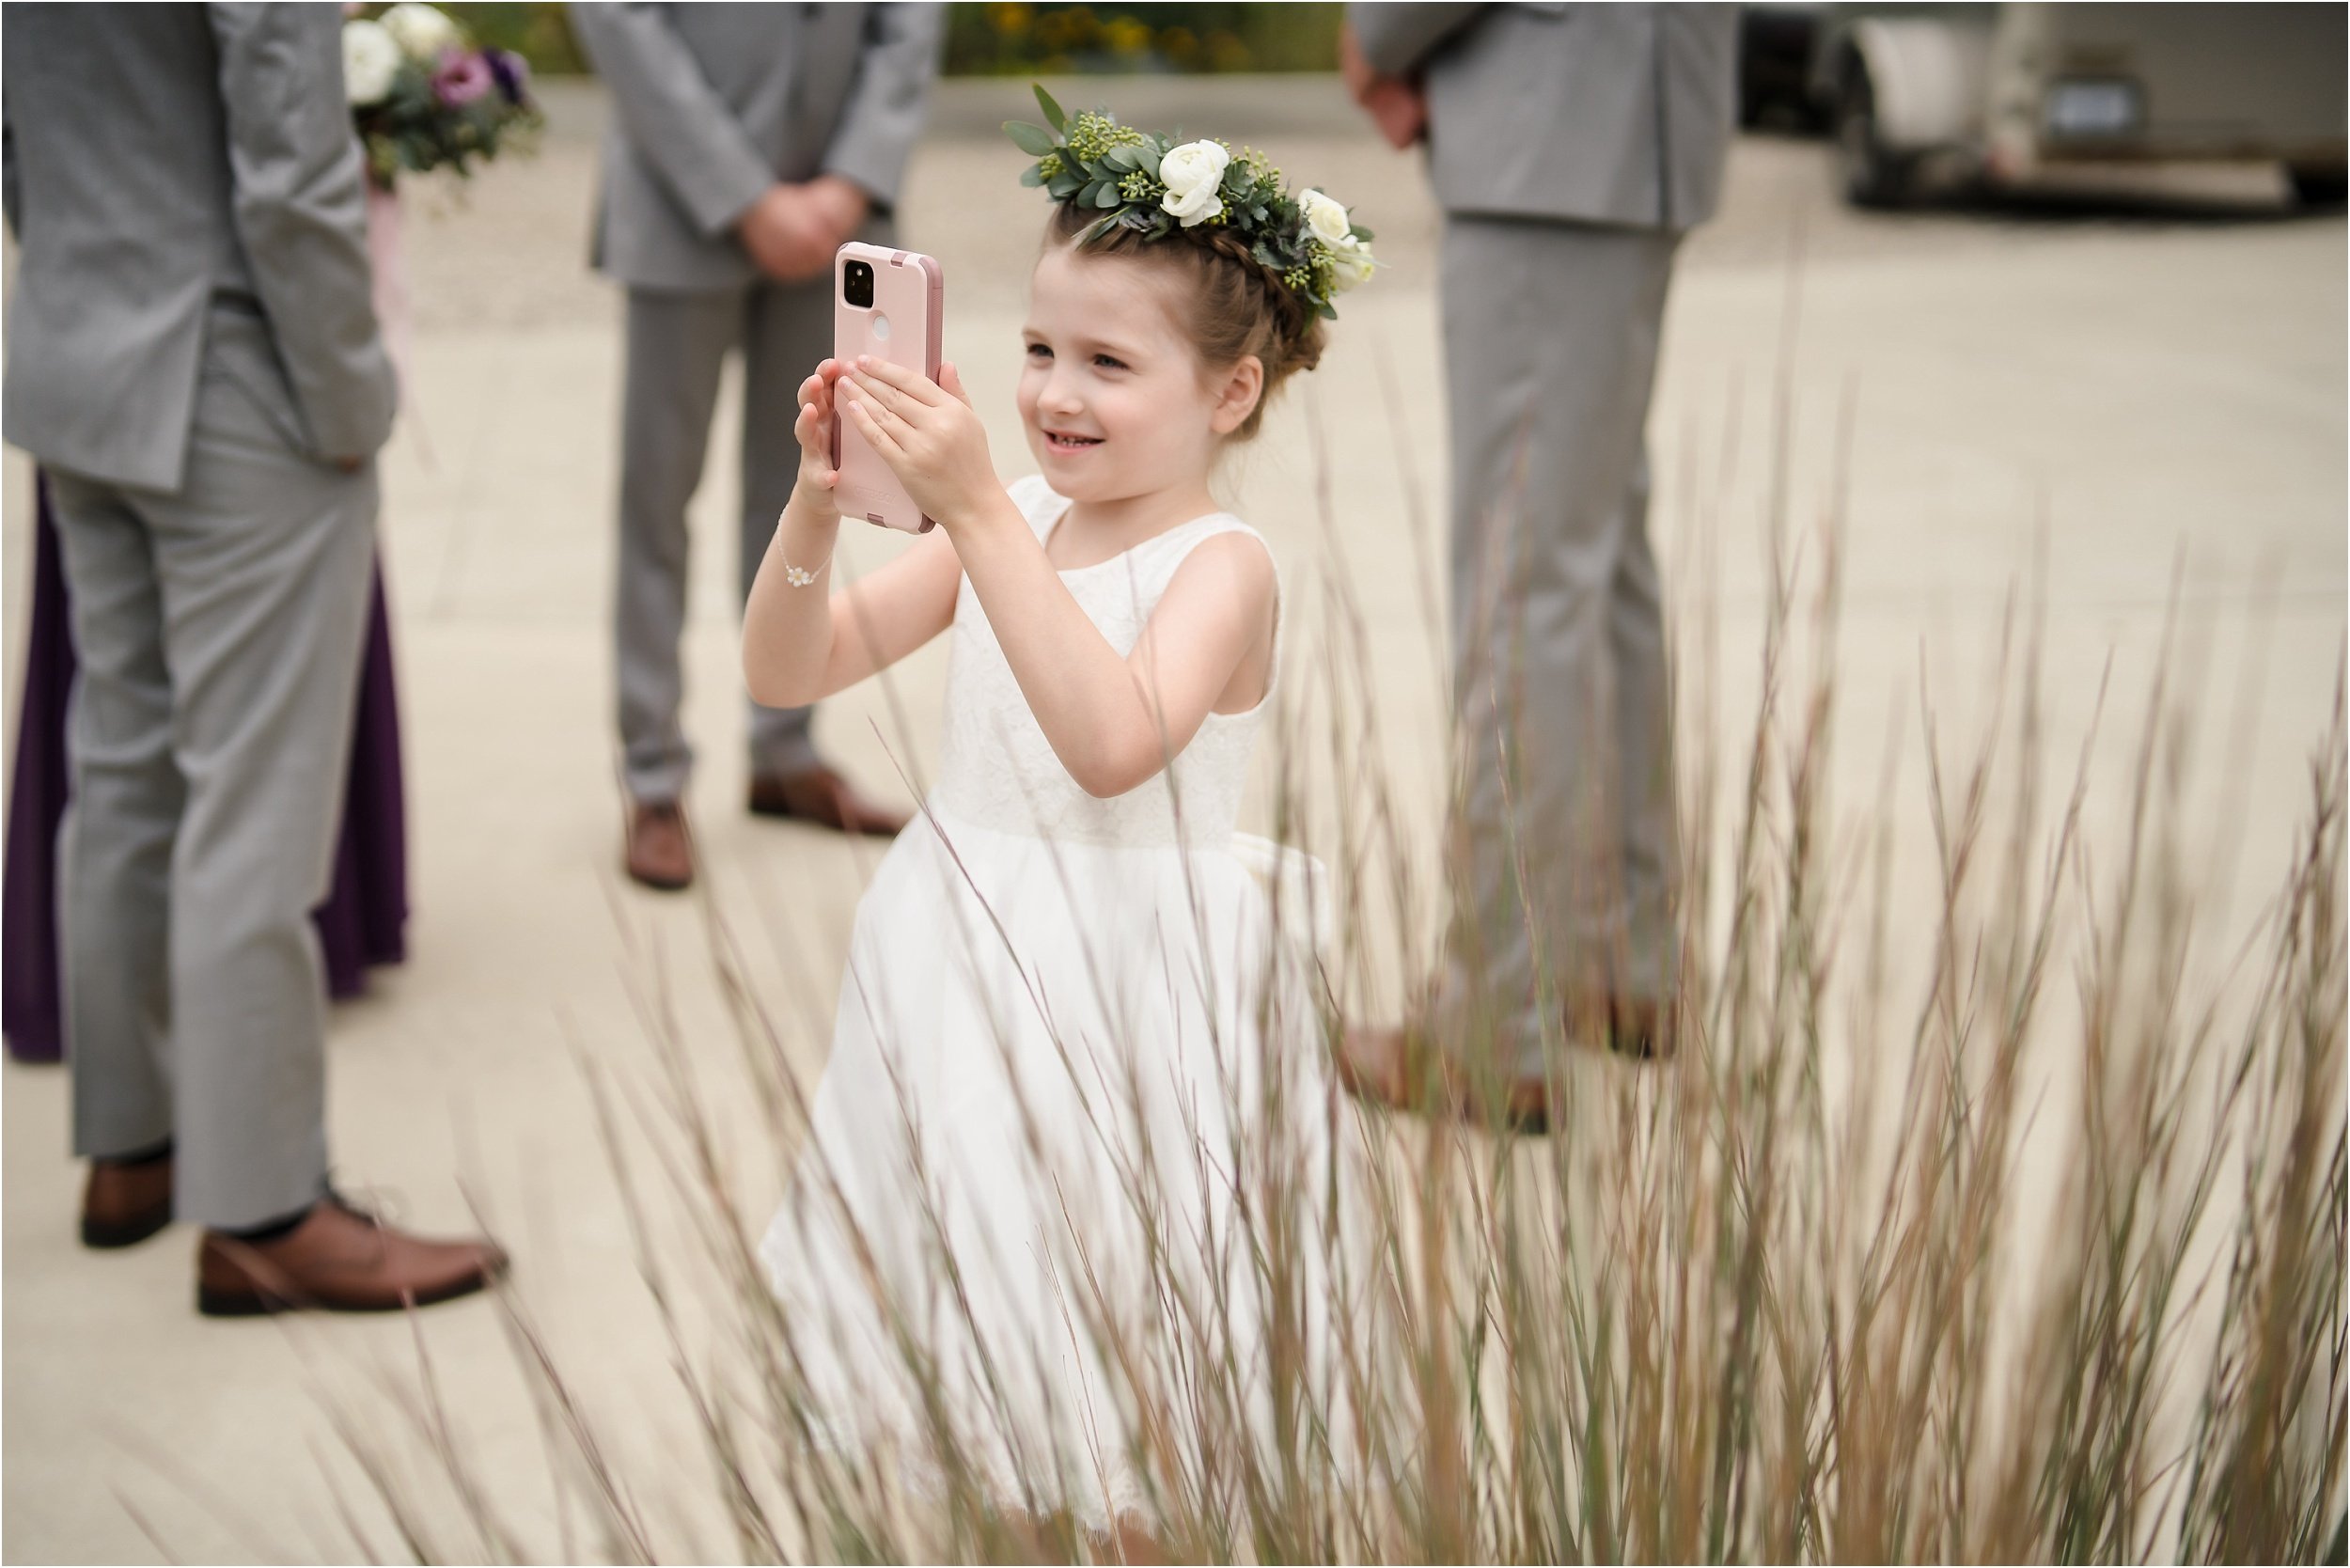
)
(1015, 35)
(1070, 27)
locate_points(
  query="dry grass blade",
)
(1912, 1253)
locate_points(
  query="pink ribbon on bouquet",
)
(389, 260)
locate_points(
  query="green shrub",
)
(1014, 38)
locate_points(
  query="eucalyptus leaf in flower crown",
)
(1158, 185)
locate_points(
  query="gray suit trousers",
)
(1564, 832)
(219, 628)
(677, 343)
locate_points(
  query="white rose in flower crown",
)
(420, 31)
(1192, 174)
(1349, 264)
(1201, 204)
(1325, 219)
(371, 61)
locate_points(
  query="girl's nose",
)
(1060, 395)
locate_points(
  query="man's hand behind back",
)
(1397, 107)
(793, 230)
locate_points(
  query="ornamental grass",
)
(2001, 1224)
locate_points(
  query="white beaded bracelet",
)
(800, 576)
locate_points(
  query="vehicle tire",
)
(1874, 174)
(2322, 186)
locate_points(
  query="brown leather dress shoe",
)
(1522, 1106)
(1638, 1028)
(1642, 1028)
(822, 796)
(659, 850)
(337, 1260)
(1380, 1065)
(125, 1201)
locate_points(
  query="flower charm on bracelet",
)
(800, 576)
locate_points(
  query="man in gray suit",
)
(748, 142)
(1571, 147)
(193, 354)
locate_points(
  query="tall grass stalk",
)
(1995, 1225)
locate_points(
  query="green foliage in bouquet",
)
(423, 97)
(1154, 184)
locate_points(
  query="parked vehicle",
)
(1777, 44)
(1999, 93)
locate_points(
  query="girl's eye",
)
(1106, 359)
(1038, 350)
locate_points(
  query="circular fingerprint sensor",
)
(881, 327)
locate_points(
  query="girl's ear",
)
(1237, 398)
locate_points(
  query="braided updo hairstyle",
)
(1234, 306)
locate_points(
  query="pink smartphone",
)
(889, 305)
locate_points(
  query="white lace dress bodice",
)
(998, 770)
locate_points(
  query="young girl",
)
(1055, 1227)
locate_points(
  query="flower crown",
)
(1152, 184)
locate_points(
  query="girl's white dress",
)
(1070, 1155)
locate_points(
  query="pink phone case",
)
(903, 326)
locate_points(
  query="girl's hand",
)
(818, 477)
(927, 432)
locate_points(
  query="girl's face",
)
(1111, 393)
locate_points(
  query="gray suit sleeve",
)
(896, 64)
(10, 200)
(300, 203)
(680, 127)
(1397, 38)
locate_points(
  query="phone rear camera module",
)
(857, 284)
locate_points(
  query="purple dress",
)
(365, 916)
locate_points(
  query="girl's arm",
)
(1114, 720)
(801, 643)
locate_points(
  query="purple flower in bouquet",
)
(463, 78)
(513, 73)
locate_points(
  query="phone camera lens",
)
(857, 284)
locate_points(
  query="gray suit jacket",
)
(160, 156)
(713, 104)
(1609, 114)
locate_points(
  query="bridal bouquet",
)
(424, 97)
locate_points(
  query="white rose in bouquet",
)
(371, 61)
(1325, 219)
(421, 31)
(1192, 173)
